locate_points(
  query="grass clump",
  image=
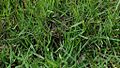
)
(59, 33)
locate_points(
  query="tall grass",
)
(59, 33)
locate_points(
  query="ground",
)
(59, 33)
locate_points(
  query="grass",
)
(59, 33)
